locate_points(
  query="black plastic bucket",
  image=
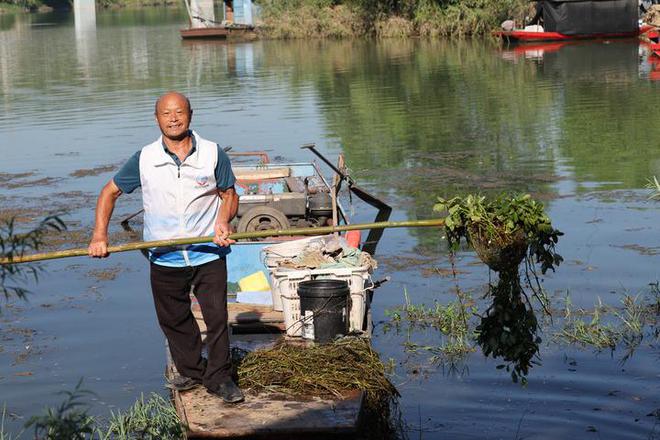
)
(324, 309)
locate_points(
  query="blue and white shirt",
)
(180, 198)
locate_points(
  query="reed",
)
(151, 419)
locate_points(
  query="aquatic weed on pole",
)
(506, 231)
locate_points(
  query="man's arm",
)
(98, 247)
(227, 211)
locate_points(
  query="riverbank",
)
(345, 18)
(410, 18)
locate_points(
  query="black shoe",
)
(227, 391)
(182, 383)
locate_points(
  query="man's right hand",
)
(98, 248)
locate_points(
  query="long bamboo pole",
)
(236, 236)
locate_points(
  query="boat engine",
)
(259, 212)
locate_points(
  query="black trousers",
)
(171, 288)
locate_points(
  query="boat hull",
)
(218, 33)
(655, 48)
(521, 36)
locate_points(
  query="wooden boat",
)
(233, 32)
(522, 36)
(564, 20)
(266, 415)
(236, 22)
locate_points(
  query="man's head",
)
(173, 114)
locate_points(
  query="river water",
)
(576, 125)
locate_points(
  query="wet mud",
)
(23, 180)
(94, 171)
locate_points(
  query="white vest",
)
(179, 201)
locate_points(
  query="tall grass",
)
(152, 419)
(386, 18)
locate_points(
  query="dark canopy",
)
(575, 17)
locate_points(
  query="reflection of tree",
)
(508, 329)
(420, 119)
(607, 124)
(424, 118)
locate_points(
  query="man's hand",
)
(98, 247)
(222, 231)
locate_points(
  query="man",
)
(187, 191)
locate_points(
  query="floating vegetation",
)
(451, 320)
(608, 327)
(509, 329)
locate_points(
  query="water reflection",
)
(239, 60)
(7, 21)
(509, 329)
(85, 27)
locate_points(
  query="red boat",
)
(562, 20)
(655, 48)
(521, 36)
(653, 35)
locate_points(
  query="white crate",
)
(272, 255)
(286, 286)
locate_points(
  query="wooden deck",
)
(265, 415)
(246, 317)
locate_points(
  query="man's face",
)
(173, 115)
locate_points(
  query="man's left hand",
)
(222, 232)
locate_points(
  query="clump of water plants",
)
(503, 230)
(506, 231)
(323, 370)
(451, 320)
